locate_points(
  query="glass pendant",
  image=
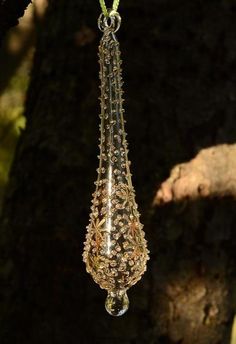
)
(115, 251)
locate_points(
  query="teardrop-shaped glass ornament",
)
(115, 250)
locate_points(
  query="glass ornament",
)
(115, 251)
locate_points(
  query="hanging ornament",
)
(115, 251)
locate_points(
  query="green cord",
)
(104, 7)
(115, 5)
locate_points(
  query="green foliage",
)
(12, 122)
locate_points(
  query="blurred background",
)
(16, 57)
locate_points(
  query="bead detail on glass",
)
(115, 251)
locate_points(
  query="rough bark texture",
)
(210, 174)
(10, 12)
(179, 59)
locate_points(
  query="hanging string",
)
(104, 7)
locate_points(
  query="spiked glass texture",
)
(115, 249)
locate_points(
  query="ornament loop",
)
(112, 22)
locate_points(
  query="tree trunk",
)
(178, 66)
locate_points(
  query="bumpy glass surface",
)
(115, 250)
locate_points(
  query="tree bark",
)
(10, 12)
(210, 174)
(180, 91)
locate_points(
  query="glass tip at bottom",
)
(117, 303)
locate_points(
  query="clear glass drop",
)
(115, 251)
(117, 303)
